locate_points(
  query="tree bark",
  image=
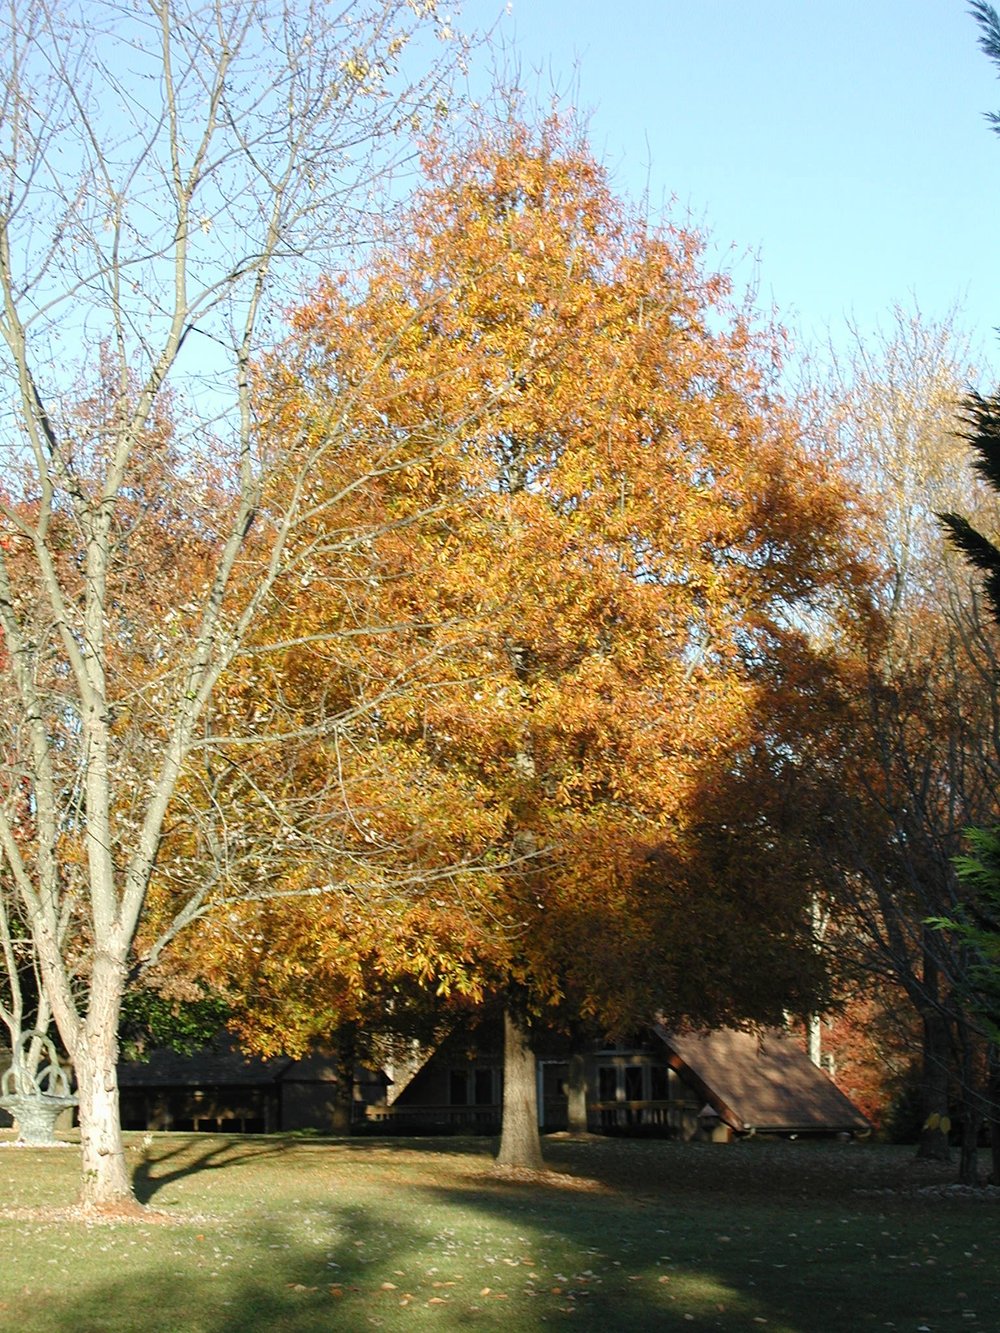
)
(934, 1074)
(968, 1169)
(972, 1115)
(343, 1097)
(520, 1142)
(814, 1039)
(105, 1183)
(993, 1109)
(934, 1086)
(576, 1094)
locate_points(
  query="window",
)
(607, 1083)
(458, 1087)
(659, 1083)
(482, 1087)
(633, 1083)
(472, 1087)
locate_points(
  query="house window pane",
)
(484, 1087)
(633, 1083)
(458, 1090)
(659, 1085)
(607, 1083)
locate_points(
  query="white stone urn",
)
(36, 1099)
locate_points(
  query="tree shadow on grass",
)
(168, 1159)
(463, 1249)
(186, 1285)
(165, 1161)
(284, 1285)
(509, 1258)
(671, 1259)
(350, 1267)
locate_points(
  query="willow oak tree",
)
(337, 895)
(163, 165)
(639, 525)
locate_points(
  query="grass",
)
(302, 1235)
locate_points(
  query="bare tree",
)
(170, 171)
(919, 758)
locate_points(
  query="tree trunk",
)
(105, 1181)
(814, 1039)
(343, 1096)
(972, 1115)
(576, 1095)
(520, 1142)
(968, 1170)
(934, 1074)
(934, 1087)
(993, 1102)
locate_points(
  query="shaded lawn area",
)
(302, 1235)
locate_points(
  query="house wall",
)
(281, 1096)
(307, 1093)
(635, 1091)
(458, 1088)
(629, 1090)
(224, 1110)
(307, 1105)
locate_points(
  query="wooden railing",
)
(456, 1119)
(669, 1117)
(678, 1118)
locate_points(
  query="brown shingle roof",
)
(761, 1081)
(221, 1063)
(218, 1064)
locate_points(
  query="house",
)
(682, 1085)
(218, 1088)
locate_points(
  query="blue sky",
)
(835, 150)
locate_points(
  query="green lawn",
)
(286, 1234)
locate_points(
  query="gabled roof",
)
(760, 1081)
(220, 1063)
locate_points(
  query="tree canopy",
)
(598, 566)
